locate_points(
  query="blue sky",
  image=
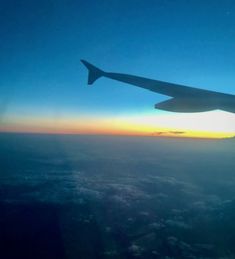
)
(42, 42)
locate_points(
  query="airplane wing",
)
(184, 98)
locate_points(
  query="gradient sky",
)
(43, 84)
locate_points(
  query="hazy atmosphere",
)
(116, 197)
(96, 171)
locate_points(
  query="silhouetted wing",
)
(185, 98)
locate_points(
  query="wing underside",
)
(185, 105)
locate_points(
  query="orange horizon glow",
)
(116, 132)
(167, 125)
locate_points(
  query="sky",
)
(43, 84)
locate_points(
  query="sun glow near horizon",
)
(215, 124)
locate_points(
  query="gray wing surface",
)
(184, 98)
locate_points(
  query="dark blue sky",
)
(41, 43)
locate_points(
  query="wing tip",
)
(94, 72)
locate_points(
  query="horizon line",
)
(167, 135)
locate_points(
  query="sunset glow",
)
(215, 124)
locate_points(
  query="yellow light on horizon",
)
(216, 124)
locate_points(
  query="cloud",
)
(178, 224)
(168, 133)
(176, 132)
(158, 133)
(135, 250)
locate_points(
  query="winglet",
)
(93, 72)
